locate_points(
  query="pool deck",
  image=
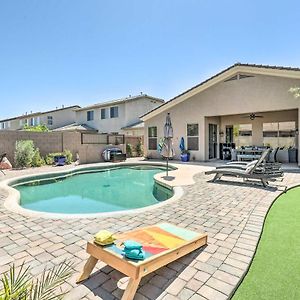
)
(232, 213)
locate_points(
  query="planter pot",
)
(60, 160)
(185, 157)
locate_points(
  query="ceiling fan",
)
(252, 116)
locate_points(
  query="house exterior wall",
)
(129, 113)
(61, 117)
(261, 93)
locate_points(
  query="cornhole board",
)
(162, 243)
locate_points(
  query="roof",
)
(291, 72)
(40, 113)
(136, 125)
(76, 127)
(119, 101)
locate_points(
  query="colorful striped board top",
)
(155, 239)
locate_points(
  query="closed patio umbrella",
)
(167, 148)
(181, 145)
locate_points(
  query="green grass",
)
(275, 270)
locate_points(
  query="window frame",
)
(50, 120)
(112, 116)
(280, 133)
(192, 136)
(89, 115)
(105, 113)
(152, 138)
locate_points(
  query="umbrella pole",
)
(167, 165)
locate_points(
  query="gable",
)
(243, 70)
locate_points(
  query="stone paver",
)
(232, 215)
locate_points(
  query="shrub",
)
(139, 148)
(129, 150)
(24, 153)
(36, 128)
(67, 153)
(37, 160)
(69, 156)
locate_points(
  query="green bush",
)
(37, 160)
(24, 153)
(69, 156)
(129, 150)
(139, 148)
(37, 128)
(67, 153)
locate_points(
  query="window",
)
(2, 125)
(152, 138)
(104, 113)
(193, 137)
(31, 121)
(49, 120)
(279, 134)
(114, 112)
(90, 115)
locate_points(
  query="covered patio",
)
(250, 133)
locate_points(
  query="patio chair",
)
(266, 165)
(254, 171)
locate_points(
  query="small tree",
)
(295, 91)
(24, 153)
(129, 150)
(139, 148)
(37, 160)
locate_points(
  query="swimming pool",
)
(93, 191)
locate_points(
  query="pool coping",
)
(12, 201)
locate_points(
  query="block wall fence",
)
(49, 142)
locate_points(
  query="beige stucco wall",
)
(255, 94)
(60, 118)
(129, 113)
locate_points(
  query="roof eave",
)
(218, 78)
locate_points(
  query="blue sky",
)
(58, 52)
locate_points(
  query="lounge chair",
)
(255, 170)
(266, 167)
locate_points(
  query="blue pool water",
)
(102, 191)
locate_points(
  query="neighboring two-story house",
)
(52, 119)
(118, 116)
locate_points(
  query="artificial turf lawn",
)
(275, 270)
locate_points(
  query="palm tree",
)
(19, 285)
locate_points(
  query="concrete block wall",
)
(49, 142)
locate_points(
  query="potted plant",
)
(185, 155)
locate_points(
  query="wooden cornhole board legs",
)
(131, 286)
(137, 270)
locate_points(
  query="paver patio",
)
(232, 215)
